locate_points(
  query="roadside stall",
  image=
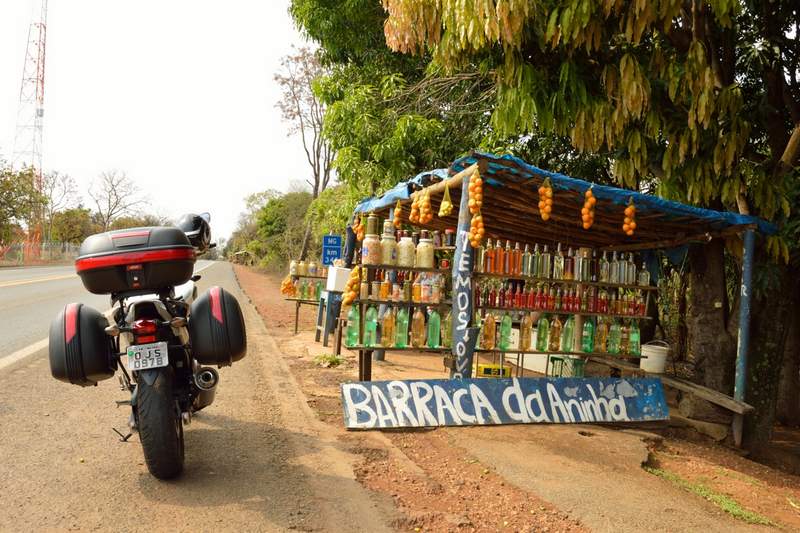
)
(499, 258)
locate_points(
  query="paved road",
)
(31, 297)
(256, 460)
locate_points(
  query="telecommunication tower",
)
(30, 113)
(30, 118)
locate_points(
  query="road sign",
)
(331, 248)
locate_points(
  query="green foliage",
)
(73, 225)
(328, 360)
(20, 202)
(726, 503)
(330, 212)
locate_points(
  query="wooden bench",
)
(739, 409)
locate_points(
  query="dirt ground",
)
(527, 478)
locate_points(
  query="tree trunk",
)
(771, 311)
(306, 242)
(788, 406)
(710, 347)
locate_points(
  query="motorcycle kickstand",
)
(122, 438)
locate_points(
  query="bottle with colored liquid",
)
(525, 327)
(418, 329)
(568, 335)
(554, 342)
(447, 329)
(542, 333)
(587, 336)
(489, 331)
(601, 336)
(416, 290)
(371, 326)
(504, 342)
(353, 324)
(635, 340)
(545, 264)
(625, 337)
(488, 257)
(387, 328)
(401, 328)
(434, 329)
(558, 263)
(614, 337)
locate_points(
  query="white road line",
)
(21, 354)
(35, 280)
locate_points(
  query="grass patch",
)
(741, 477)
(726, 503)
(328, 360)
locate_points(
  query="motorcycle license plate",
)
(147, 356)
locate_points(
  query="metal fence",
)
(36, 254)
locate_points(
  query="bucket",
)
(654, 357)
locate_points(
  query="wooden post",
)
(744, 331)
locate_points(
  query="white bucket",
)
(654, 357)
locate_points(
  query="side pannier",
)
(216, 328)
(81, 352)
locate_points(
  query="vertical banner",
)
(464, 336)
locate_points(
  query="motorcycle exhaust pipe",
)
(206, 380)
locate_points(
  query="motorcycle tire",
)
(160, 427)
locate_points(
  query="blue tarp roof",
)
(507, 164)
(503, 169)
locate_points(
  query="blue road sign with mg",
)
(331, 248)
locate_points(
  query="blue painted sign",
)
(473, 402)
(331, 248)
(464, 337)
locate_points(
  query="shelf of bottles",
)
(303, 300)
(403, 295)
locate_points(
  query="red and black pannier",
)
(81, 352)
(135, 259)
(216, 328)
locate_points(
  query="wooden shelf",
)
(446, 303)
(562, 312)
(296, 276)
(410, 269)
(600, 284)
(557, 353)
(441, 349)
(302, 301)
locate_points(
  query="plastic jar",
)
(372, 224)
(424, 253)
(406, 252)
(371, 250)
(312, 268)
(293, 268)
(388, 249)
(302, 268)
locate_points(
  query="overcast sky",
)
(177, 93)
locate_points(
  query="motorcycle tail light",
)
(144, 331)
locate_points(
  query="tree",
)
(72, 225)
(280, 226)
(138, 221)
(114, 195)
(20, 201)
(60, 192)
(304, 112)
(701, 98)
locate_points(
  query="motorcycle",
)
(169, 338)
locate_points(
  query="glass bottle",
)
(568, 335)
(624, 338)
(492, 296)
(517, 255)
(504, 340)
(586, 265)
(569, 265)
(416, 290)
(551, 298)
(614, 338)
(587, 336)
(387, 328)
(554, 342)
(499, 259)
(526, 261)
(594, 267)
(386, 288)
(401, 328)
(635, 340)
(558, 263)
(501, 296)
(418, 329)
(631, 273)
(447, 329)
(489, 330)
(601, 336)
(488, 257)
(614, 269)
(408, 291)
(434, 329)
(353, 325)
(604, 269)
(519, 297)
(542, 334)
(536, 259)
(558, 303)
(545, 264)
(530, 302)
(371, 326)
(525, 326)
(508, 259)
(643, 278)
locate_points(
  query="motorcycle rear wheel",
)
(160, 427)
